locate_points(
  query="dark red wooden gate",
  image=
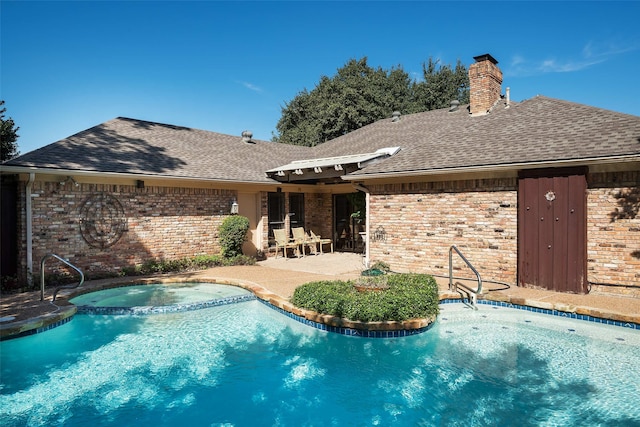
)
(552, 230)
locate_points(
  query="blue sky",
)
(231, 66)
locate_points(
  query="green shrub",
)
(232, 234)
(150, 267)
(199, 262)
(409, 296)
(240, 260)
(324, 297)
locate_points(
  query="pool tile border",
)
(47, 327)
(352, 332)
(26, 328)
(317, 325)
(325, 323)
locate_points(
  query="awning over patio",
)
(327, 168)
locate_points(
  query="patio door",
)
(347, 226)
(276, 213)
(296, 209)
(552, 230)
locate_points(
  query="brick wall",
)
(20, 233)
(613, 232)
(161, 223)
(264, 220)
(414, 225)
(318, 213)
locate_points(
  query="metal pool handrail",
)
(471, 292)
(44, 258)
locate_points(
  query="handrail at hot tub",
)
(472, 294)
(44, 258)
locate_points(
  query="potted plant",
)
(371, 283)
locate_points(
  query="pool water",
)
(157, 295)
(248, 365)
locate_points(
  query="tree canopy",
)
(441, 85)
(8, 136)
(359, 94)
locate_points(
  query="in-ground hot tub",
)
(159, 298)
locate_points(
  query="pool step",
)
(471, 295)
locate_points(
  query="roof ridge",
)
(575, 104)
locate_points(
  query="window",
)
(275, 202)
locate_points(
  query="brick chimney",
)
(485, 80)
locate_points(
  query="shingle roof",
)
(131, 146)
(537, 131)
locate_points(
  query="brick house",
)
(540, 193)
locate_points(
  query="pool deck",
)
(275, 280)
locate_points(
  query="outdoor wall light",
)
(234, 207)
(317, 169)
(298, 172)
(280, 173)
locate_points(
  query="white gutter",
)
(140, 176)
(494, 168)
(29, 228)
(365, 190)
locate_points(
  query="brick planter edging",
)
(332, 323)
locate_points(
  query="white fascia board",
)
(337, 160)
(489, 168)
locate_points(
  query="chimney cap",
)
(485, 57)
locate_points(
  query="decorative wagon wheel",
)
(102, 220)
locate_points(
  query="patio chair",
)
(321, 241)
(283, 242)
(301, 238)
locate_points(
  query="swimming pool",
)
(248, 365)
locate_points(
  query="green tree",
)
(8, 136)
(359, 94)
(356, 96)
(441, 85)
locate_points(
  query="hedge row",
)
(187, 264)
